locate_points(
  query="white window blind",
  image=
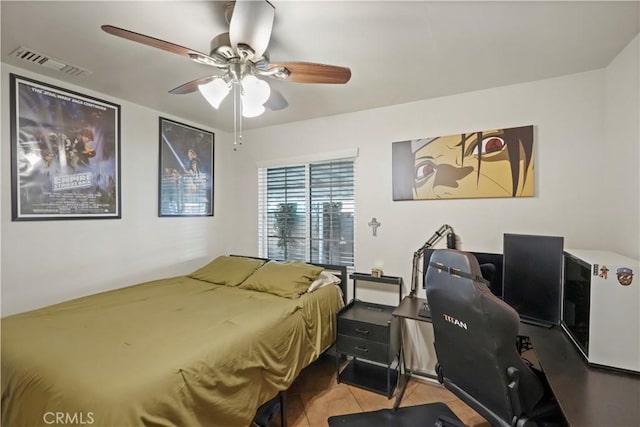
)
(307, 212)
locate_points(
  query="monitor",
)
(532, 276)
(490, 266)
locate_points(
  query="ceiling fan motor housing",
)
(221, 47)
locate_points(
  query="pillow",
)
(285, 279)
(325, 278)
(227, 270)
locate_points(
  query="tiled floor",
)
(316, 395)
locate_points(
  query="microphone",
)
(451, 241)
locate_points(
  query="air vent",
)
(46, 61)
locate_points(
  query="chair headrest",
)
(462, 264)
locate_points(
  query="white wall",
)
(621, 143)
(47, 262)
(570, 167)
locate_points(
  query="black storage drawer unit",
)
(368, 332)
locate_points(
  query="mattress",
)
(172, 352)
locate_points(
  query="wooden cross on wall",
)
(374, 224)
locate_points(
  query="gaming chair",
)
(475, 341)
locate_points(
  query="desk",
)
(408, 309)
(588, 397)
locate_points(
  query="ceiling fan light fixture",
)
(215, 91)
(251, 110)
(255, 93)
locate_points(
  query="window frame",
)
(263, 196)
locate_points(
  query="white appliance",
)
(601, 307)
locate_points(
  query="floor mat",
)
(409, 416)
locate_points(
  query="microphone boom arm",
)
(420, 252)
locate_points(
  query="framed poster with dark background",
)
(65, 153)
(186, 170)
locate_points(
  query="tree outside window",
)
(284, 223)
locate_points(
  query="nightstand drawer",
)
(370, 350)
(363, 330)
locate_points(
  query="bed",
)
(195, 350)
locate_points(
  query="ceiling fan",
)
(240, 57)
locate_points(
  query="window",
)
(307, 212)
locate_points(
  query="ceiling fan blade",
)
(164, 45)
(309, 72)
(251, 24)
(192, 86)
(276, 101)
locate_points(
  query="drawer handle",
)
(362, 349)
(362, 331)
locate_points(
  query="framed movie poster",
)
(65, 153)
(186, 170)
(480, 164)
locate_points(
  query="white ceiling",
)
(398, 52)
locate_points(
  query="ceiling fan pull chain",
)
(239, 111)
(235, 116)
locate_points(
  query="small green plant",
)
(285, 220)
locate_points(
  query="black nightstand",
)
(368, 333)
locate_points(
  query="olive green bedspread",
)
(173, 352)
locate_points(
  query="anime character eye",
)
(488, 145)
(424, 170)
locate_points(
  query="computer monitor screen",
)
(532, 276)
(490, 266)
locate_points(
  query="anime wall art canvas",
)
(481, 164)
(65, 153)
